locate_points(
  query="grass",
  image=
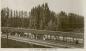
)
(16, 44)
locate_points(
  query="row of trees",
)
(41, 17)
(14, 18)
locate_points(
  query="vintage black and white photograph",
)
(42, 24)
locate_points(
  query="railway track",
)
(39, 42)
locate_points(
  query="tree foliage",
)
(41, 17)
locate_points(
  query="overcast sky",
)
(74, 6)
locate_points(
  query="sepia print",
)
(42, 24)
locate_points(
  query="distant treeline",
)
(41, 18)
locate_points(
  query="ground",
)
(16, 44)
